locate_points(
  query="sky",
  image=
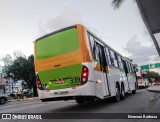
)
(23, 21)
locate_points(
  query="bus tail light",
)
(39, 85)
(84, 76)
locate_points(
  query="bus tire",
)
(43, 100)
(122, 92)
(79, 101)
(3, 100)
(134, 91)
(117, 90)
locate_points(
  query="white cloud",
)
(154, 59)
(67, 17)
(158, 38)
(140, 52)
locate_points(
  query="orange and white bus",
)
(73, 63)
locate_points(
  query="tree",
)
(22, 68)
(7, 59)
(32, 76)
(117, 3)
(152, 75)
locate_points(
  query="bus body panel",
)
(117, 76)
(66, 65)
(60, 78)
(85, 90)
(59, 60)
(132, 81)
(99, 79)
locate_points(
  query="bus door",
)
(101, 82)
(126, 71)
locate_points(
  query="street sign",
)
(150, 66)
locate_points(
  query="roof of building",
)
(150, 10)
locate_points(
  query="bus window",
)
(107, 55)
(120, 62)
(113, 59)
(116, 60)
(92, 44)
(97, 54)
(129, 66)
(132, 68)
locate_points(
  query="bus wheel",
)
(117, 97)
(122, 92)
(2, 100)
(134, 91)
(79, 101)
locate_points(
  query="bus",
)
(73, 63)
(142, 78)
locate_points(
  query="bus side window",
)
(120, 62)
(92, 45)
(107, 55)
(97, 57)
(113, 59)
(129, 67)
(101, 56)
(132, 68)
(116, 60)
(125, 66)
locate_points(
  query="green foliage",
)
(117, 3)
(21, 68)
(152, 75)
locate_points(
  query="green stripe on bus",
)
(70, 74)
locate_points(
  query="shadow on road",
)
(89, 106)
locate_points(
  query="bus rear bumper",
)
(68, 93)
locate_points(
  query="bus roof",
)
(63, 29)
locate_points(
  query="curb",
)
(155, 89)
(25, 99)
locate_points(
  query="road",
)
(141, 102)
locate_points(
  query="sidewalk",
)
(155, 88)
(10, 99)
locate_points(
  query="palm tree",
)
(117, 3)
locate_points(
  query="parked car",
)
(26, 91)
(3, 98)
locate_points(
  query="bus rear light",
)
(84, 76)
(39, 85)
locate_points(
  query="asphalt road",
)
(141, 102)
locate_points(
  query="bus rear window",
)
(57, 44)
